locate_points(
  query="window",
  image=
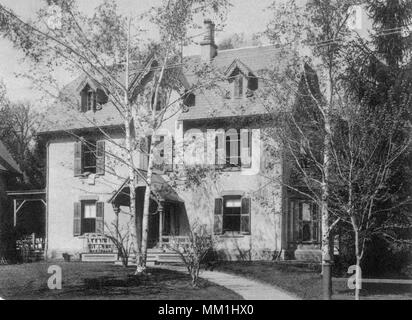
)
(163, 153)
(91, 100)
(232, 215)
(88, 99)
(88, 217)
(233, 148)
(238, 86)
(308, 221)
(159, 102)
(89, 157)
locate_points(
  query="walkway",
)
(248, 289)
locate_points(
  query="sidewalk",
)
(248, 289)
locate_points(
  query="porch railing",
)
(97, 243)
(173, 241)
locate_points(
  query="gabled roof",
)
(7, 163)
(237, 64)
(250, 60)
(68, 117)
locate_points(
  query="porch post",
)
(14, 212)
(161, 213)
(116, 209)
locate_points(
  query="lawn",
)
(305, 281)
(92, 281)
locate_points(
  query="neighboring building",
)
(87, 187)
(9, 170)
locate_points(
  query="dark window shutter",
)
(245, 216)
(100, 217)
(102, 98)
(168, 152)
(100, 157)
(218, 216)
(300, 222)
(78, 158)
(83, 101)
(77, 219)
(246, 148)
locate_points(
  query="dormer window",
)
(242, 80)
(238, 86)
(88, 99)
(91, 100)
(91, 97)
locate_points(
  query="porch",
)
(29, 223)
(167, 223)
(167, 215)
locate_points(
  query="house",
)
(9, 170)
(87, 190)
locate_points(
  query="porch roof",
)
(160, 188)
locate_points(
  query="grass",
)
(95, 281)
(306, 281)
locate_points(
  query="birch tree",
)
(107, 48)
(314, 34)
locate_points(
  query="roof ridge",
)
(249, 47)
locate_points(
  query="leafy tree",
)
(107, 48)
(239, 40)
(19, 125)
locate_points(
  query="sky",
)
(245, 16)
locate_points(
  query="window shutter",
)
(245, 216)
(233, 155)
(100, 217)
(218, 216)
(101, 97)
(77, 158)
(220, 148)
(100, 157)
(168, 152)
(77, 219)
(300, 221)
(246, 148)
(83, 101)
(315, 222)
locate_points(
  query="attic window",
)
(238, 86)
(92, 99)
(158, 104)
(88, 99)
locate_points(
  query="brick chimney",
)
(208, 46)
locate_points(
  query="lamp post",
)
(327, 277)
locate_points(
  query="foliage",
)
(121, 237)
(109, 49)
(239, 40)
(195, 251)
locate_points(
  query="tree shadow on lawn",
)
(120, 283)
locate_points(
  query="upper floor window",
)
(233, 148)
(89, 157)
(163, 152)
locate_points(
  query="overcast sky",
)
(246, 16)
